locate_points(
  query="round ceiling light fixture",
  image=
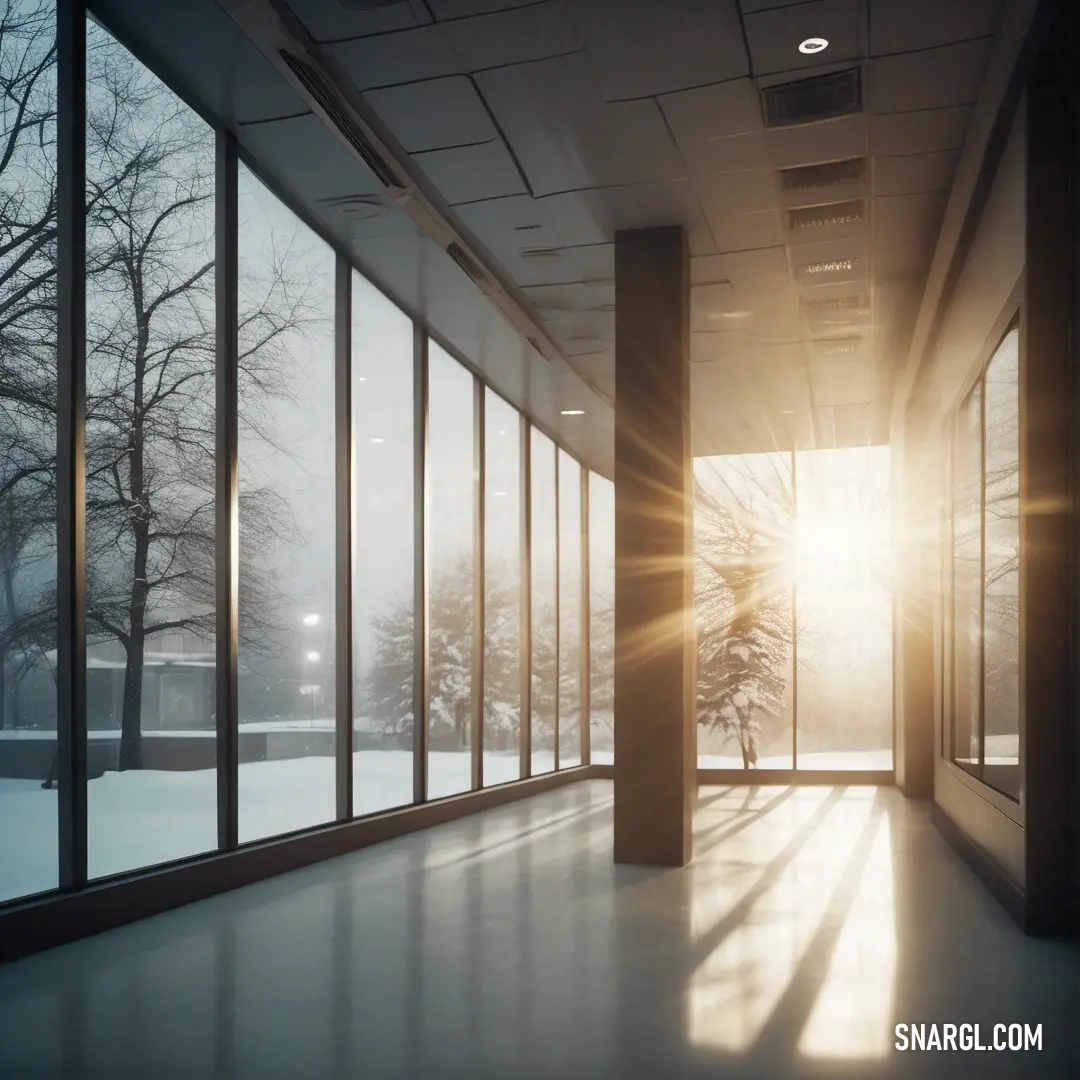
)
(813, 45)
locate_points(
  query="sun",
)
(838, 554)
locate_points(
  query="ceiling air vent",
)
(822, 217)
(827, 268)
(465, 261)
(844, 346)
(827, 305)
(827, 174)
(822, 97)
(339, 115)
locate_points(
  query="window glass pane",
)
(28, 824)
(1001, 751)
(601, 620)
(286, 513)
(384, 507)
(967, 581)
(569, 611)
(150, 535)
(544, 583)
(451, 469)
(844, 588)
(502, 585)
(742, 586)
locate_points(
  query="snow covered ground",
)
(837, 759)
(139, 819)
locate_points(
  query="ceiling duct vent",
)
(465, 261)
(822, 97)
(828, 268)
(338, 113)
(824, 217)
(828, 174)
(845, 346)
(829, 305)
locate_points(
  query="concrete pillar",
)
(919, 585)
(655, 747)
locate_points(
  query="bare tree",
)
(151, 358)
(743, 528)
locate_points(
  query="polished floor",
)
(812, 921)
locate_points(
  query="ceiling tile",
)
(907, 25)
(847, 381)
(905, 231)
(854, 425)
(392, 59)
(920, 132)
(468, 173)
(331, 22)
(746, 270)
(512, 36)
(308, 158)
(829, 141)
(713, 112)
(731, 154)
(556, 299)
(566, 137)
(908, 174)
(774, 36)
(639, 47)
(462, 9)
(929, 79)
(742, 192)
(434, 113)
(744, 232)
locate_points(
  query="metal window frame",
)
(71, 734)
(71, 17)
(226, 495)
(479, 629)
(344, 526)
(525, 615)
(585, 650)
(558, 606)
(421, 518)
(795, 617)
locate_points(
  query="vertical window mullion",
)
(421, 495)
(794, 616)
(981, 721)
(558, 607)
(525, 634)
(343, 528)
(226, 272)
(71, 442)
(479, 569)
(585, 657)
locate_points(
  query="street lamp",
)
(311, 658)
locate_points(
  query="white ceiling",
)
(549, 125)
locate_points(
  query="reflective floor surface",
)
(811, 922)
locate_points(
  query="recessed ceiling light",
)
(378, 440)
(573, 412)
(360, 378)
(735, 314)
(498, 494)
(813, 45)
(787, 412)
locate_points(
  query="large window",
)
(502, 592)
(150, 526)
(986, 575)
(286, 513)
(844, 589)
(545, 558)
(156, 497)
(601, 620)
(743, 591)
(383, 478)
(452, 472)
(570, 613)
(793, 586)
(28, 721)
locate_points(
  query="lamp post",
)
(312, 659)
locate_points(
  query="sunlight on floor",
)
(783, 880)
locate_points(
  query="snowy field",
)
(139, 819)
(835, 760)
